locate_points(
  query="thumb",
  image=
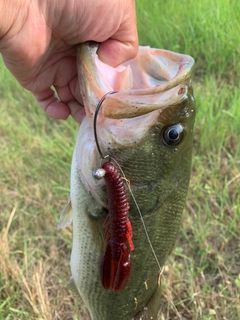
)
(114, 52)
(123, 44)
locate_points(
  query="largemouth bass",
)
(147, 127)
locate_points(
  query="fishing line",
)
(123, 174)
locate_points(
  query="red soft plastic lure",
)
(115, 267)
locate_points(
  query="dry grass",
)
(34, 264)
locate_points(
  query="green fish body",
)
(147, 127)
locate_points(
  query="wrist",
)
(12, 16)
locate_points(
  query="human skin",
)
(38, 41)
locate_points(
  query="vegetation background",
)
(202, 276)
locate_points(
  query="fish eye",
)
(173, 135)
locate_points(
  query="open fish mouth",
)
(154, 79)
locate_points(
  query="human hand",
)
(38, 44)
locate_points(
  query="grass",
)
(202, 276)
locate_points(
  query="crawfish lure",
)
(115, 264)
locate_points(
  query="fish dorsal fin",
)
(72, 287)
(65, 218)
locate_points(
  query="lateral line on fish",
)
(140, 214)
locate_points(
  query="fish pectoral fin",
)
(72, 287)
(65, 218)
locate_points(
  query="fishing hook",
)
(95, 123)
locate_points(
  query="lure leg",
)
(129, 235)
(115, 267)
(122, 271)
(105, 268)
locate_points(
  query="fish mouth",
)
(154, 80)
